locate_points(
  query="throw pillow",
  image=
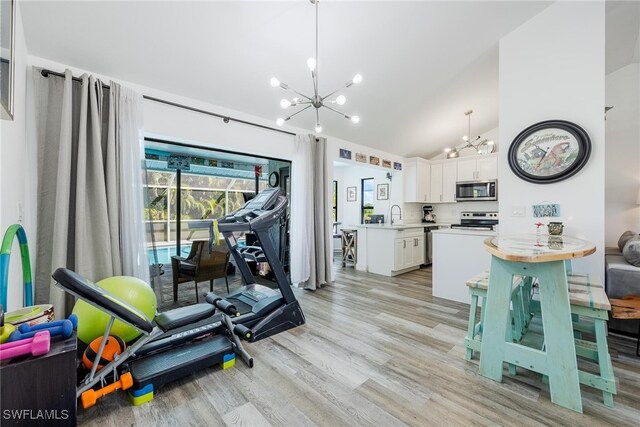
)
(631, 251)
(625, 238)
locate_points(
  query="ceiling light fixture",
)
(316, 100)
(483, 146)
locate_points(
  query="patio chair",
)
(201, 264)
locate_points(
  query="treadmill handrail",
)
(261, 222)
(265, 220)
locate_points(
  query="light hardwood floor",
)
(375, 351)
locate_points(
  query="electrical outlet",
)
(518, 211)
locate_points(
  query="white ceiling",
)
(622, 34)
(424, 63)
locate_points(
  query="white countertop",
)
(388, 226)
(488, 233)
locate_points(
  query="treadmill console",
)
(254, 207)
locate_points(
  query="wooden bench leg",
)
(471, 327)
(604, 361)
(564, 383)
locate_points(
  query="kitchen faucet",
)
(400, 213)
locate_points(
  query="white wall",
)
(355, 171)
(622, 166)
(164, 122)
(17, 169)
(552, 67)
(351, 176)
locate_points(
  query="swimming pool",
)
(166, 252)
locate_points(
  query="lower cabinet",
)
(408, 252)
(390, 250)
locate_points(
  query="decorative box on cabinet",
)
(40, 390)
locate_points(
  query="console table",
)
(541, 257)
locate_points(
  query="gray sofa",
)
(621, 279)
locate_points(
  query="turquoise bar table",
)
(542, 257)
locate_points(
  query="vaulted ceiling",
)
(424, 63)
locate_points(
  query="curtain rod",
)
(226, 119)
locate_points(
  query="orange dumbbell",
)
(90, 396)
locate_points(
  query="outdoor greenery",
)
(203, 197)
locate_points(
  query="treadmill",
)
(265, 311)
(262, 310)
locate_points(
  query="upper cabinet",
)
(443, 181)
(478, 168)
(417, 174)
(435, 181)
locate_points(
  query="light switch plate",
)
(546, 210)
(518, 210)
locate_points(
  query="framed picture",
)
(549, 151)
(362, 158)
(373, 160)
(7, 55)
(345, 154)
(351, 194)
(397, 166)
(383, 192)
(386, 163)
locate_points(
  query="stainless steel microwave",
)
(476, 190)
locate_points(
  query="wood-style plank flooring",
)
(374, 351)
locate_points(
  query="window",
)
(368, 195)
(334, 202)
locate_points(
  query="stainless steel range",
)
(477, 221)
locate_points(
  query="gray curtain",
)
(323, 226)
(311, 226)
(77, 183)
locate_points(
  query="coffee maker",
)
(427, 214)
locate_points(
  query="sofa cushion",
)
(631, 251)
(626, 236)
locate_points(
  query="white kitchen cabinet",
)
(416, 180)
(418, 251)
(408, 252)
(478, 168)
(399, 251)
(436, 182)
(390, 249)
(443, 181)
(449, 173)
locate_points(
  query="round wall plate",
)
(549, 151)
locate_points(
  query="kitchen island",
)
(458, 254)
(391, 249)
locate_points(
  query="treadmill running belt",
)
(178, 362)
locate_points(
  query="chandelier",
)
(316, 101)
(482, 146)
